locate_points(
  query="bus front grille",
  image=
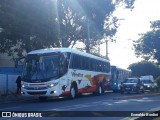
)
(37, 93)
(36, 88)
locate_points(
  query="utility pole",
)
(107, 49)
(88, 37)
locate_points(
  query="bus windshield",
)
(41, 68)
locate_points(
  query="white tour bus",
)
(64, 71)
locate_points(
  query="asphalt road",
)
(86, 106)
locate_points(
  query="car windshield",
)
(147, 81)
(131, 81)
(41, 68)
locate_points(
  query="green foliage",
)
(148, 46)
(144, 68)
(158, 81)
(26, 25)
(69, 23)
(96, 12)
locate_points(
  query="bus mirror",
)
(18, 61)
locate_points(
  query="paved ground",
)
(138, 96)
(17, 97)
(13, 98)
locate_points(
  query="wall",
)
(8, 76)
(6, 61)
(8, 83)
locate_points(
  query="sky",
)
(133, 23)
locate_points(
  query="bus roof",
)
(50, 50)
(116, 67)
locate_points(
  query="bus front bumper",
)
(39, 93)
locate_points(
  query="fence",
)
(8, 78)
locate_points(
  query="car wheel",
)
(138, 91)
(142, 91)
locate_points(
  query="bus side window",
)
(87, 63)
(74, 61)
(84, 62)
(94, 64)
(97, 65)
(117, 74)
(107, 69)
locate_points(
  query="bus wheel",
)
(73, 92)
(42, 98)
(99, 90)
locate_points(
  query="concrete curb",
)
(137, 96)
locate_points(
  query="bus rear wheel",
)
(99, 90)
(73, 92)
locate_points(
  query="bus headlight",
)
(52, 84)
(24, 85)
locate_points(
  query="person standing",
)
(18, 81)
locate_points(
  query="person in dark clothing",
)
(18, 81)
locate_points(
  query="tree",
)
(34, 24)
(79, 20)
(69, 24)
(148, 45)
(26, 25)
(144, 68)
(158, 81)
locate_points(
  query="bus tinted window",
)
(90, 64)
